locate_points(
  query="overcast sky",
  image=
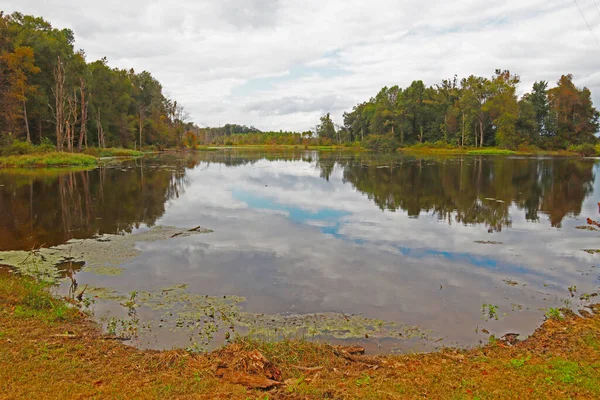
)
(280, 64)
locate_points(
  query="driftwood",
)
(196, 229)
(353, 354)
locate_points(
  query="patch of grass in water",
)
(491, 151)
(113, 152)
(48, 160)
(105, 271)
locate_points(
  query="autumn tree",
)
(572, 112)
(16, 66)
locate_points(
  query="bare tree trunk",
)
(84, 107)
(141, 126)
(101, 142)
(59, 96)
(71, 121)
(481, 132)
(26, 120)
(446, 128)
(463, 130)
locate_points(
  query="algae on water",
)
(102, 255)
(203, 317)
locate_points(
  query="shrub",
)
(584, 150)
(18, 148)
(381, 143)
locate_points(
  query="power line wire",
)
(586, 22)
(596, 4)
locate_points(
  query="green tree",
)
(326, 129)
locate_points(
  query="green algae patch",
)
(105, 271)
(591, 251)
(586, 228)
(37, 264)
(210, 320)
(102, 255)
(103, 293)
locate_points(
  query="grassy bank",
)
(283, 147)
(54, 159)
(425, 150)
(113, 152)
(49, 349)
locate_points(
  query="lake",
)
(396, 253)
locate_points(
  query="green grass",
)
(48, 160)
(206, 148)
(491, 151)
(113, 152)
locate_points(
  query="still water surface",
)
(424, 242)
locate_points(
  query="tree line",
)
(475, 111)
(50, 93)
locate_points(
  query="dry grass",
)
(45, 353)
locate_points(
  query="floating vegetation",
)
(490, 311)
(510, 282)
(516, 307)
(586, 228)
(204, 318)
(106, 271)
(102, 255)
(37, 264)
(105, 294)
(587, 296)
(591, 251)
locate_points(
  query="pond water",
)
(395, 253)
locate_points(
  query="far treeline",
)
(472, 112)
(50, 94)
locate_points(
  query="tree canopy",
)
(49, 91)
(478, 111)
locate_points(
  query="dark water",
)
(395, 238)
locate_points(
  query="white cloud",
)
(203, 50)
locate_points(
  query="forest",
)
(50, 94)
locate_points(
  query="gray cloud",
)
(295, 104)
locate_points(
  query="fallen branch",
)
(348, 355)
(308, 369)
(66, 336)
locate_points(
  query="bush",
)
(381, 143)
(584, 150)
(18, 148)
(15, 147)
